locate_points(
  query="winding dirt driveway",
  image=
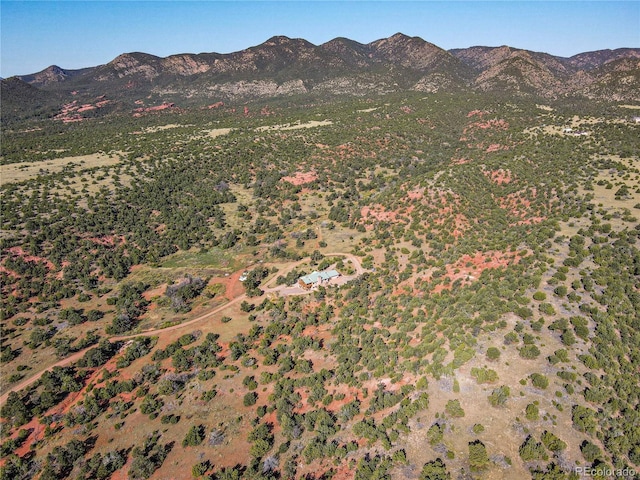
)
(281, 288)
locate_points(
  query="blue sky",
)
(76, 34)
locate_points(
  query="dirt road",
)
(283, 288)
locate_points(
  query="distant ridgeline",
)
(285, 67)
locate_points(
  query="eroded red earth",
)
(301, 178)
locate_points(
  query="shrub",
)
(435, 470)
(170, 419)
(484, 375)
(560, 291)
(499, 396)
(539, 381)
(531, 412)
(478, 458)
(531, 450)
(581, 327)
(546, 309)
(590, 452)
(493, 353)
(568, 338)
(250, 399)
(250, 382)
(529, 352)
(584, 419)
(199, 469)
(194, 437)
(552, 442)
(510, 338)
(454, 409)
(435, 434)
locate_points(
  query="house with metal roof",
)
(317, 278)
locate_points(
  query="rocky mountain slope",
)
(283, 66)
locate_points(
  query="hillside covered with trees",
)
(493, 334)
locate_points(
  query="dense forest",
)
(493, 333)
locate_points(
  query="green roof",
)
(315, 276)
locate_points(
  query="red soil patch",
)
(344, 472)
(362, 147)
(439, 197)
(345, 148)
(164, 106)
(519, 205)
(480, 113)
(426, 121)
(19, 252)
(350, 394)
(444, 209)
(461, 225)
(139, 111)
(460, 161)
(496, 147)
(232, 283)
(70, 112)
(305, 406)
(403, 289)
(36, 435)
(489, 124)
(378, 212)
(416, 194)
(109, 240)
(123, 473)
(373, 384)
(8, 272)
(312, 307)
(530, 221)
(60, 409)
(155, 292)
(470, 132)
(468, 268)
(60, 274)
(301, 178)
(85, 108)
(500, 176)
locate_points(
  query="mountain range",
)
(283, 66)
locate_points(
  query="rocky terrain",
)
(282, 67)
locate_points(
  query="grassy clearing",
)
(18, 172)
(295, 126)
(244, 196)
(160, 128)
(610, 182)
(213, 258)
(216, 132)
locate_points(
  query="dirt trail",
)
(240, 297)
